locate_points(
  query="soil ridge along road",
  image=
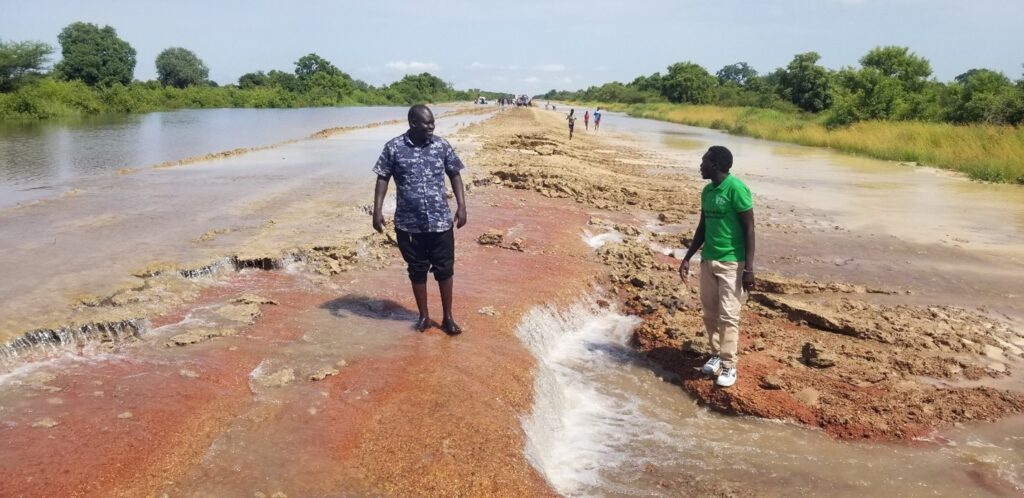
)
(820, 353)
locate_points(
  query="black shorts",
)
(429, 251)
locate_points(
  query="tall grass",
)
(984, 152)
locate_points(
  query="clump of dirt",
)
(496, 238)
(279, 378)
(491, 237)
(252, 299)
(199, 335)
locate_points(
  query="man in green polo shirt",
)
(726, 231)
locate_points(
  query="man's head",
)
(421, 123)
(716, 160)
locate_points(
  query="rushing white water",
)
(597, 240)
(575, 428)
(42, 343)
(605, 423)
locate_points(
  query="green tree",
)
(321, 81)
(21, 59)
(312, 64)
(419, 88)
(180, 67)
(252, 80)
(891, 84)
(739, 74)
(95, 55)
(899, 63)
(650, 83)
(286, 81)
(688, 83)
(805, 83)
(981, 95)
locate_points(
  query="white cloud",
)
(480, 65)
(412, 66)
(550, 68)
(530, 79)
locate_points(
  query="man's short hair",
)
(416, 109)
(721, 157)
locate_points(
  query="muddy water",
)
(91, 241)
(39, 159)
(922, 205)
(605, 423)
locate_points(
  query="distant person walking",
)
(586, 119)
(726, 232)
(418, 161)
(597, 119)
(572, 121)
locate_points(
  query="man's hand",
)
(748, 280)
(378, 222)
(460, 217)
(684, 269)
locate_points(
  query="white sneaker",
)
(712, 366)
(727, 377)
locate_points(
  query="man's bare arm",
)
(460, 199)
(698, 240)
(379, 191)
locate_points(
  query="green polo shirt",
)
(723, 234)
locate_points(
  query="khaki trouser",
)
(722, 296)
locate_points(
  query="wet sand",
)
(233, 411)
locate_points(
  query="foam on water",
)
(597, 240)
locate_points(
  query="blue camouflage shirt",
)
(419, 177)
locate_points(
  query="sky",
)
(531, 46)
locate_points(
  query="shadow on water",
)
(368, 307)
(686, 365)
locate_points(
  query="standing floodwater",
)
(922, 205)
(36, 158)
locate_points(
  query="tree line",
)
(891, 83)
(96, 74)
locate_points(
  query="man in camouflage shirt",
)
(418, 161)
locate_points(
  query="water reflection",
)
(44, 154)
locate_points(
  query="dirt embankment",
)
(816, 353)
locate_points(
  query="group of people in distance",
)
(418, 161)
(571, 118)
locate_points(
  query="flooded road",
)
(92, 240)
(325, 390)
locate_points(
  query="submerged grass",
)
(983, 152)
